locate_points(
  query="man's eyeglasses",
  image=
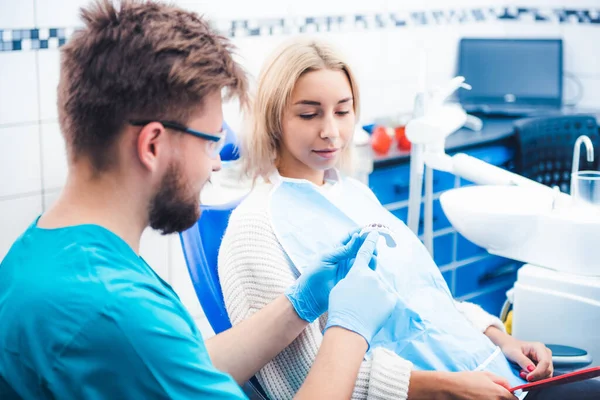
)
(214, 142)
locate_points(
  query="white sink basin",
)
(520, 223)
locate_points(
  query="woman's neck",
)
(302, 172)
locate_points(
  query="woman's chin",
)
(323, 163)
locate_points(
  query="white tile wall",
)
(49, 198)
(369, 58)
(233, 115)
(154, 248)
(581, 53)
(591, 92)
(67, 15)
(237, 9)
(311, 8)
(252, 51)
(205, 328)
(17, 214)
(18, 87)
(20, 169)
(386, 61)
(48, 73)
(54, 156)
(16, 14)
(180, 279)
(401, 54)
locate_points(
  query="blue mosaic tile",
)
(540, 17)
(478, 14)
(341, 23)
(419, 17)
(507, 15)
(397, 20)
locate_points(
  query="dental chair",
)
(200, 245)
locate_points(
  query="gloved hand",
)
(310, 293)
(361, 301)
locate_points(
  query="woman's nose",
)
(330, 129)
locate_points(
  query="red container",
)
(401, 140)
(380, 140)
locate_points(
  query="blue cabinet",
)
(472, 274)
(390, 184)
(485, 274)
(443, 246)
(467, 249)
(491, 301)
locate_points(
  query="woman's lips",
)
(326, 153)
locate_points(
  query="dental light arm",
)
(434, 121)
(477, 171)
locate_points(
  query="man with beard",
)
(82, 316)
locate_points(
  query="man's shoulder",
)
(78, 274)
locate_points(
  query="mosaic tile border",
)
(33, 39)
(52, 38)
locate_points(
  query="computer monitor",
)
(515, 72)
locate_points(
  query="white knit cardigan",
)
(254, 270)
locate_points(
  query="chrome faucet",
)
(589, 147)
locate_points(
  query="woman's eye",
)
(307, 116)
(343, 112)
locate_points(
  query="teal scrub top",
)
(84, 317)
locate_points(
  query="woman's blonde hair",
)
(261, 142)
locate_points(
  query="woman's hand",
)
(534, 358)
(466, 385)
(480, 385)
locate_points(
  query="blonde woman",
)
(305, 110)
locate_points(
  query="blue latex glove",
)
(310, 293)
(361, 301)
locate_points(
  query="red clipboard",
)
(576, 376)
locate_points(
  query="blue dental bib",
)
(426, 327)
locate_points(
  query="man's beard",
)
(173, 208)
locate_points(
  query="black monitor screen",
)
(511, 70)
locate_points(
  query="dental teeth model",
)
(383, 231)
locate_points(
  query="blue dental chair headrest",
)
(230, 151)
(200, 245)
